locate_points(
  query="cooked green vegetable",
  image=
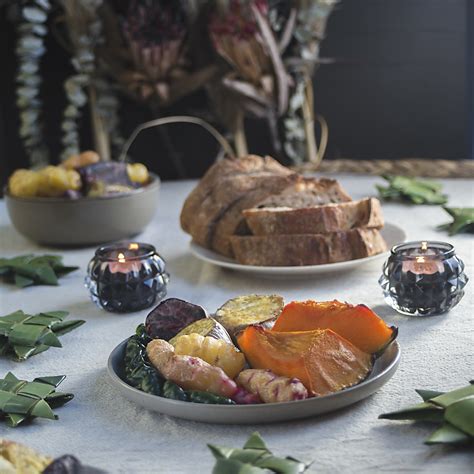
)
(21, 400)
(411, 189)
(173, 391)
(24, 335)
(27, 270)
(138, 371)
(454, 410)
(463, 220)
(196, 396)
(253, 458)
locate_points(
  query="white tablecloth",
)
(107, 431)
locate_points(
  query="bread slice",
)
(317, 219)
(225, 194)
(222, 169)
(299, 191)
(232, 221)
(307, 249)
(307, 192)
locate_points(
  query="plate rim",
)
(226, 262)
(387, 371)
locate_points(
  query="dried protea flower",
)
(235, 35)
(155, 31)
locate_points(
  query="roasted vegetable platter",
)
(255, 359)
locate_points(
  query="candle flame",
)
(424, 245)
(121, 257)
(420, 259)
(133, 246)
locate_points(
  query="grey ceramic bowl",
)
(384, 367)
(85, 221)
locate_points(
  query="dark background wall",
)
(398, 89)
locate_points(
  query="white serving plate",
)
(384, 367)
(392, 234)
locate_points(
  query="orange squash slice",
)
(322, 360)
(358, 324)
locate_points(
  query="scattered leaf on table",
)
(454, 411)
(448, 434)
(463, 220)
(412, 190)
(21, 400)
(461, 415)
(24, 335)
(27, 270)
(253, 458)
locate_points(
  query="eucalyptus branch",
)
(30, 49)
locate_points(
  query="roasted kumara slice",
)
(242, 311)
(323, 361)
(358, 324)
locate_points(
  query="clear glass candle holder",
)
(423, 278)
(126, 276)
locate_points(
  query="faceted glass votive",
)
(423, 278)
(126, 277)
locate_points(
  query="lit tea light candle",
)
(126, 277)
(423, 278)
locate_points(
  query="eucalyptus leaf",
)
(412, 190)
(463, 220)
(428, 394)
(454, 396)
(35, 15)
(420, 412)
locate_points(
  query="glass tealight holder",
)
(423, 278)
(126, 277)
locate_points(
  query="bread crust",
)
(307, 249)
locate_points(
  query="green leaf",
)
(413, 190)
(463, 220)
(448, 434)
(23, 282)
(419, 412)
(454, 396)
(25, 335)
(255, 442)
(428, 394)
(231, 466)
(21, 400)
(461, 415)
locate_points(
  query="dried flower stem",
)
(177, 119)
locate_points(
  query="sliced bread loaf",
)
(316, 219)
(300, 191)
(222, 169)
(225, 194)
(307, 249)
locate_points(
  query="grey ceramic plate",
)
(392, 234)
(384, 367)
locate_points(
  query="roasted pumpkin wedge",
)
(358, 324)
(323, 361)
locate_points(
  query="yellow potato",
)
(138, 173)
(85, 158)
(24, 183)
(55, 181)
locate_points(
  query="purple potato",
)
(106, 172)
(171, 316)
